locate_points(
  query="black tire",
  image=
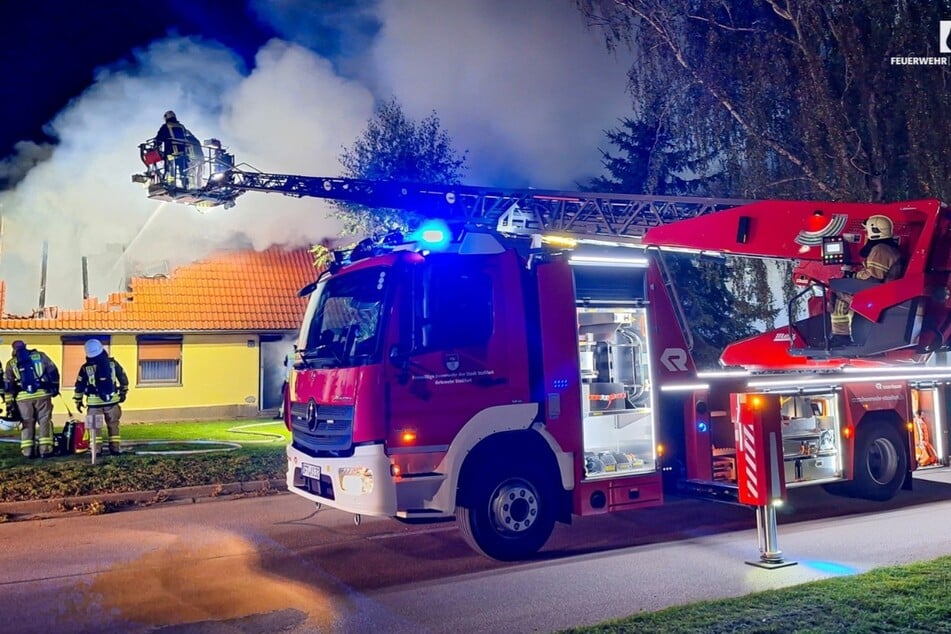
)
(881, 463)
(509, 512)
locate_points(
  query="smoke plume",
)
(523, 86)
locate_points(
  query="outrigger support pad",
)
(771, 556)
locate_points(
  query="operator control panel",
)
(833, 250)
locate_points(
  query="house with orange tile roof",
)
(207, 341)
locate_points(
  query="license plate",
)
(310, 470)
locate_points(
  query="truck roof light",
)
(590, 260)
(433, 235)
(560, 241)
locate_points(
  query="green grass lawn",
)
(158, 456)
(912, 598)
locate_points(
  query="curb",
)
(98, 504)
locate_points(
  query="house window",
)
(160, 361)
(74, 356)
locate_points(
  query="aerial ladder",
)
(623, 218)
(901, 321)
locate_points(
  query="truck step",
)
(706, 490)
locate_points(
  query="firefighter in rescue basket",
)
(181, 151)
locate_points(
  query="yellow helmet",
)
(878, 227)
(170, 115)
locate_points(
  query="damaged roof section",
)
(229, 291)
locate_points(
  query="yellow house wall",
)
(217, 370)
(52, 345)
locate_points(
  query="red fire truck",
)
(531, 362)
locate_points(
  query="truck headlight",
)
(355, 480)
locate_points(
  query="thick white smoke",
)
(521, 85)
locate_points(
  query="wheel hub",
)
(515, 507)
(882, 461)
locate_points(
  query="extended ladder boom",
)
(618, 217)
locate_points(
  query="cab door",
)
(461, 348)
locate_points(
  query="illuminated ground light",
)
(829, 567)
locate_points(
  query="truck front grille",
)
(322, 429)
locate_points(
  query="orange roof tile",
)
(238, 290)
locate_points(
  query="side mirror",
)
(398, 358)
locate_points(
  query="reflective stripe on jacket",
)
(173, 138)
(41, 364)
(97, 396)
(883, 263)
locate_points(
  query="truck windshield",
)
(343, 323)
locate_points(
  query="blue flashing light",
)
(433, 235)
(702, 426)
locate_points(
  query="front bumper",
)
(360, 484)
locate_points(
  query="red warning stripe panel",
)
(750, 452)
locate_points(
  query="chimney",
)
(46, 249)
(85, 278)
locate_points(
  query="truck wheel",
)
(881, 463)
(509, 513)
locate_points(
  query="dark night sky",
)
(523, 87)
(51, 48)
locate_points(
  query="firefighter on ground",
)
(11, 415)
(181, 152)
(103, 384)
(924, 450)
(31, 380)
(882, 262)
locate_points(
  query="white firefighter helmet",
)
(170, 115)
(8, 425)
(878, 227)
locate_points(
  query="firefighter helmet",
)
(8, 425)
(93, 348)
(170, 115)
(878, 227)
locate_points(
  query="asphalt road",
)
(273, 564)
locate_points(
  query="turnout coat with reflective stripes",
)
(112, 390)
(45, 371)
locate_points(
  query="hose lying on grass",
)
(150, 447)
